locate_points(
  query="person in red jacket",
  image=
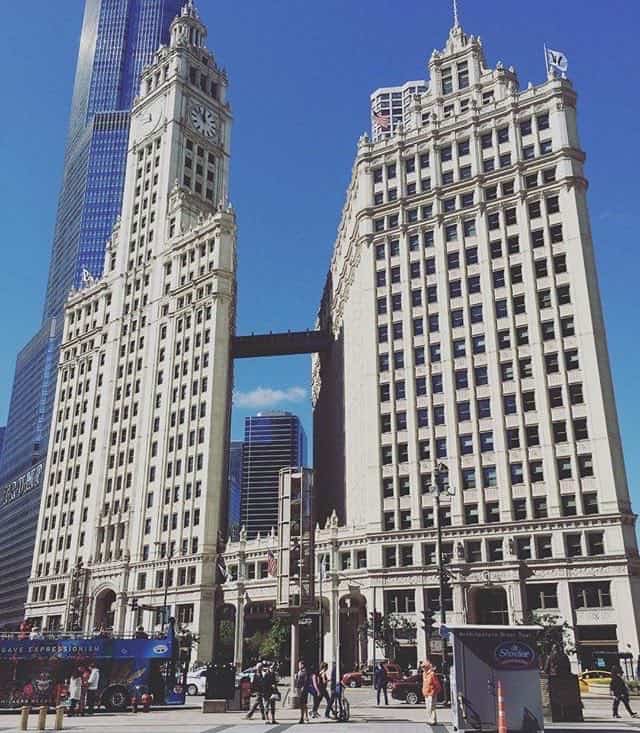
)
(431, 688)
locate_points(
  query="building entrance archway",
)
(104, 614)
(490, 606)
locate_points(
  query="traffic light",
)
(428, 620)
(375, 621)
(134, 604)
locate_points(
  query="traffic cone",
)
(502, 716)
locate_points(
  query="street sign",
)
(436, 646)
(305, 621)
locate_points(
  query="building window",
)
(585, 465)
(520, 509)
(542, 596)
(400, 601)
(595, 543)
(495, 551)
(471, 514)
(473, 551)
(591, 595)
(544, 547)
(184, 613)
(523, 548)
(389, 557)
(573, 543)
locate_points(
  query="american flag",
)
(272, 563)
(381, 120)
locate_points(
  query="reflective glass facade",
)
(119, 37)
(235, 485)
(272, 440)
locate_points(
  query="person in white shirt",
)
(92, 687)
(75, 691)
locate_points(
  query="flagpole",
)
(546, 60)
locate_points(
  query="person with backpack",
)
(301, 687)
(431, 688)
(620, 692)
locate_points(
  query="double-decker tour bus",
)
(36, 671)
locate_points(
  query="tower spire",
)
(455, 14)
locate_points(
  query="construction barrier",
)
(502, 715)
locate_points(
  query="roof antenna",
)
(455, 14)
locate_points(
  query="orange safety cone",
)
(502, 716)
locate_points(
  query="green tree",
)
(226, 633)
(554, 631)
(276, 641)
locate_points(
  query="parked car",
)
(595, 681)
(409, 689)
(196, 681)
(364, 676)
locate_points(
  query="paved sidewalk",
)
(365, 716)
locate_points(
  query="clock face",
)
(204, 120)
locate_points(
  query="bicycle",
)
(340, 709)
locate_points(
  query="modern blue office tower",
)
(119, 37)
(234, 490)
(272, 440)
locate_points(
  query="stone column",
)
(238, 646)
(421, 604)
(120, 614)
(295, 652)
(516, 601)
(334, 621)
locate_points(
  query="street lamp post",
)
(438, 487)
(166, 587)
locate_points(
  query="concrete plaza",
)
(365, 716)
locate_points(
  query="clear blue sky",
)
(301, 74)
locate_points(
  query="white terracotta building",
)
(135, 479)
(463, 301)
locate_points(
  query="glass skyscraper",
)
(272, 440)
(119, 37)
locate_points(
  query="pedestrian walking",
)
(259, 688)
(92, 688)
(314, 691)
(271, 690)
(323, 685)
(620, 692)
(431, 688)
(301, 686)
(75, 691)
(380, 681)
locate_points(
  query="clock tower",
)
(136, 473)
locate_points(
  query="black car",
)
(409, 689)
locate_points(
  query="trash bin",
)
(221, 682)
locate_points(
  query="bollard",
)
(42, 717)
(24, 717)
(59, 717)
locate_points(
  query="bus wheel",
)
(192, 689)
(116, 699)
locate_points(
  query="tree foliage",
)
(554, 631)
(394, 628)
